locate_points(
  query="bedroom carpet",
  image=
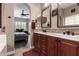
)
(20, 44)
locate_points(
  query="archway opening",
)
(22, 14)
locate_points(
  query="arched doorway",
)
(22, 14)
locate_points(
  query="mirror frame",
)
(42, 16)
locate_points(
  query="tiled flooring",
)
(19, 51)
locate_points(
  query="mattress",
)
(20, 36)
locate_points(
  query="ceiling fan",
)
(23, 14)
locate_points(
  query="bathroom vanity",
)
(56, 44)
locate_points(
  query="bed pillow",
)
(19, 30)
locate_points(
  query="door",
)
(68, 48)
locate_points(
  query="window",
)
(20, 25)
(72, 20)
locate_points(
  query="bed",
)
(19, 36)
(21, 39)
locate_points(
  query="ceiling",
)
(18, 10)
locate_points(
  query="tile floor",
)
(19, 51)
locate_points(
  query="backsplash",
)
(76, 31)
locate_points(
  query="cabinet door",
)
(34, 40)
(37, 42)
(68, 48)
(44, 45)
(52, 46)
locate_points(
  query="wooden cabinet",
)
(43, 45)
(37, 38)
(68, 48)
(54, 46)
(40, 43)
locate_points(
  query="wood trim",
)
(70, 44)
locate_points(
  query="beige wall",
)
(8, 10)
(53, 19)
(35, 10)
(9, 24)
(67, 11)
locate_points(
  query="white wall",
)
(9, 23)
(35, 10)
(53, 19)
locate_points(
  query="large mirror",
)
(68, 15)
(46, 17)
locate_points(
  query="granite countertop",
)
(61, 35)
(2, 42)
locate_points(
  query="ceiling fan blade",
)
(27, 14)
